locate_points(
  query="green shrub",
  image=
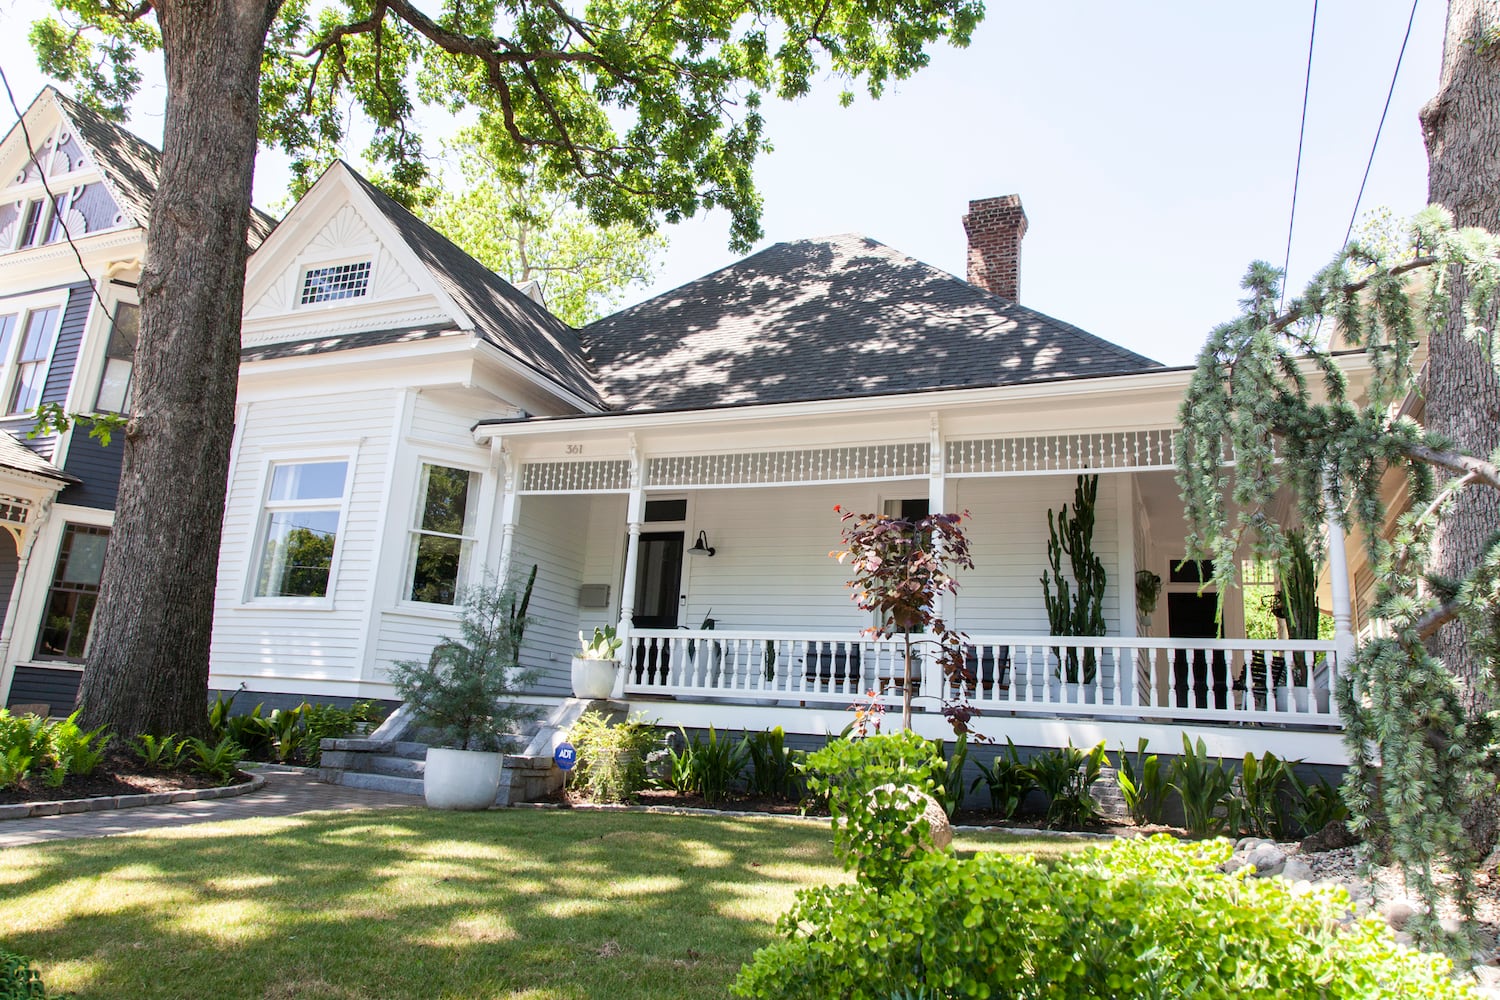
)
(75, 750)
(14, 767)
(24, 744)
(1259, 803)
(1204, 784)
(774, 768)
(160, 753)
(1066, 776)
(1316, 805)
(1134, 919)
(951, 782)
(251, 732)
(612, 757)
(1007, 779)
(877, 824)
(1144, 784)
(218, 762)
(329, 722)
(708, 766)
(18, 980)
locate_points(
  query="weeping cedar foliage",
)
(1268, 393)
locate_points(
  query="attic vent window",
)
(341, 281)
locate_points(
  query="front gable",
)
(335, 266)
(82, 200)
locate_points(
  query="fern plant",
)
(1144, 783)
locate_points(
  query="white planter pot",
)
(594, 679)
(461, 779)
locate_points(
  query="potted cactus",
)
(595, 665)
(1076, 610)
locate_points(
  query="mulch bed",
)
(118, 774)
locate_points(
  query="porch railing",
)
(1198, 680)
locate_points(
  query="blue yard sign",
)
(565, 756)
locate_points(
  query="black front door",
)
(1192, 616)
(658, 595)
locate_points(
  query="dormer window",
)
(337, 281)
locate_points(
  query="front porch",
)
(1236, 694)
(705, 538)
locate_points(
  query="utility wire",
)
(1371, 162)
(1301, 137)
(41, 172)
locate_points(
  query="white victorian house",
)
(409, 424)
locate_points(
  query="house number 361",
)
(575, 449)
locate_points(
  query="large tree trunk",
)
(1461, 127)
(147, 669)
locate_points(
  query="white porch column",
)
(634, 513)
(510, 505)
(1338, 585)
(1125, 527)
(939, 501)
(34, 524)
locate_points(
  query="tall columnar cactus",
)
(1080, 612)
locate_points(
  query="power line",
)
(41, 173)
(1301, 137)
(1388, 94)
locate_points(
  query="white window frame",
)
(415, 531)
(95, 379)
(266, 506)
(360, 255)
(23, 308)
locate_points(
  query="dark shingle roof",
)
(824, 319)
(504, 316)
(344, 342)
(15, 455)
(132, 165)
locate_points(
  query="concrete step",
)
(398, 767)
(382, 783)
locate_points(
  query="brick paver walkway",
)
(287, 791)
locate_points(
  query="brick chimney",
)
(995, 227)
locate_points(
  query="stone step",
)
(399, 767)
(382, 783)
(409, 750)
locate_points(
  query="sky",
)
(1153, 146)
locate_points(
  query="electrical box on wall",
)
(593, 595)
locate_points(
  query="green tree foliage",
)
(509, 222)
(642, 113)
(1265, 392)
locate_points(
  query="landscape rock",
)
(1333, 837)
(1297, 870)
(1267, 858)
(1398, 912)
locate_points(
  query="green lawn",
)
(528, 904)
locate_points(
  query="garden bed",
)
(119, 774)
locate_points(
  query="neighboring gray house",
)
(68, 322)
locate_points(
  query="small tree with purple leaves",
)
(901, 566)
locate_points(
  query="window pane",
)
(341, 281)
(114, 387)
(125, 331)
(297, 553)
(666, 510)
(309, 481)
(83, 562)
(446, 507)
(7, 330)
(438, 564)
(28, 392)
(38, 342)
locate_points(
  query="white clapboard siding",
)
(260, 640)
(604, 557)
(447, 420)
(550, 533)
(772, 568)
(1008, 540)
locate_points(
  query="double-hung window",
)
(299, 528)
(115, 384)
(74, 593)
(443, 536)
(25, 347)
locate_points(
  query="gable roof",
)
(15, 455)
(131, 165)
(504, 316)
(832, 318)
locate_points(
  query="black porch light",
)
(701, 546)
